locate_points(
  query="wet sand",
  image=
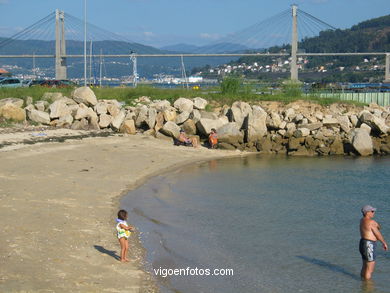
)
(58, 204)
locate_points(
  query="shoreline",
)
(80, 261)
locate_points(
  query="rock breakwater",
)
(300, 128)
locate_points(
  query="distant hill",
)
(367, 36)
(113, 67)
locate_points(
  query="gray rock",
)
(80, 124)
(362, 142)
(171, 129)
(200, 103)
(159, 121)
(41, 105)
(101, 108)
(345, 124)
(113, 109)
(59, 109)
(183, 104)
(330, 121)
(230, 133)
(189, 127)
(311, 126)
(82, 112)
(240, 110)
(142, 116)
(128, 127)
(93, 123)
(208, 115)
(289, 114)
(65, 121)
(205, 125)
(105, 120)
(39, 117)
(257, 127)
(12, 112)
(365, 127)
(152, 115)
(29, 101)
(354, 120)
(161, 105)
(84, 95)
(117, 121)
(302, 132)
(170, 114)
(195, 115)
(274, 121)
(182, 117)
(14, 101)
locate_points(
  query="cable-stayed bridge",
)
(287, 27)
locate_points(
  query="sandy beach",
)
(58, 204)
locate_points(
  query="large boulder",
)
(12, 112)
(378, 124)
(84, 95)
(113, 109)
(82, 112)
(58, 109)
(345, 124)
(101, 108)
(152, 116)
(128, 127)
(117, 121)
(274, 121)
(142, 116)
(65, 121)
(199, 103)
(183, 104)
(42, 105)
(159, 121)
(240, 110)
(257, 127)
(182, 117)
(105, 120)
(39, 117)
(169, 114)
(80, 124)
(171, 129)
(16, 102)
(189, 127)
(230, 133)
(362, 142)
(205, 125)
(160, 105)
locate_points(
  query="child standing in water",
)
(123, 233)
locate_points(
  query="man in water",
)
(369, 232)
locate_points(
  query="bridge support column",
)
(387, 68)
(294, 45)
(61, 72)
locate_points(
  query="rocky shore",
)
(299, 129)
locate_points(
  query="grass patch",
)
(246, 92)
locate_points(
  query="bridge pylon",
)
(294, 44)
(60, 62)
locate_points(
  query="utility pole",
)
(61, 73)
(294, 44)
(85, 42)
(387, 70)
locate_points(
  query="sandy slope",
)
(57, 210)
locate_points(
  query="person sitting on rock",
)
(213, 138)
(187, 141)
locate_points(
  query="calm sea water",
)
(282, 224)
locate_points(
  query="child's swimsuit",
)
(367, 249)
(122, 232)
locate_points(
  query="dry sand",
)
(58, 204)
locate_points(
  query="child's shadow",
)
(106, 251)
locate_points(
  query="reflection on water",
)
(283, 224)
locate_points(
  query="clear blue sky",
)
(164, 22)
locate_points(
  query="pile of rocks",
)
(299, 128)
